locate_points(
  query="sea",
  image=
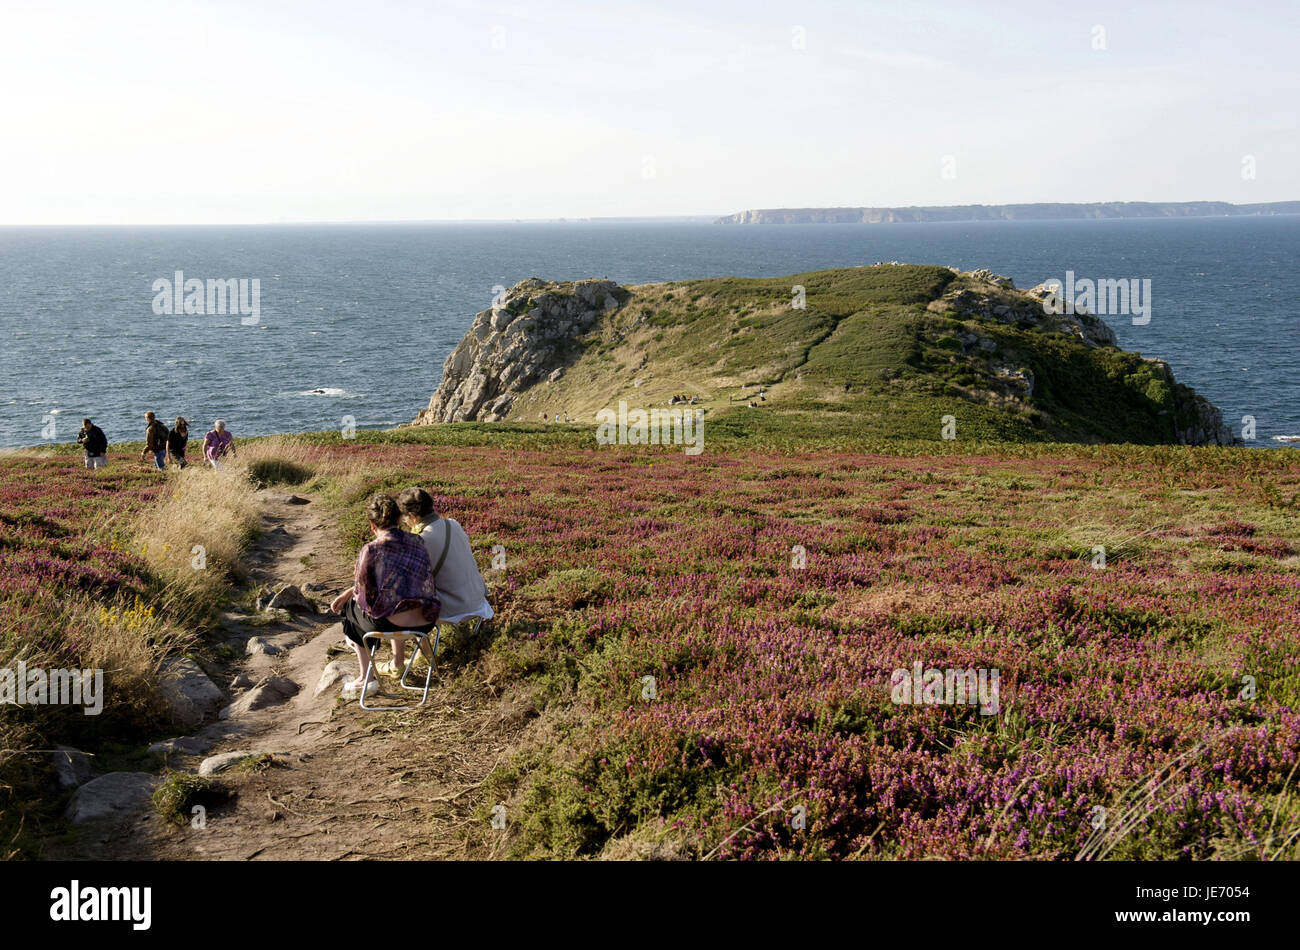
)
(354, 320)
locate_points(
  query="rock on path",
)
(271, 691)
(188, 693)
(114, 795)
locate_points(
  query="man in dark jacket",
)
(95, 443)
(155, 441)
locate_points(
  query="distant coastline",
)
(1047, 211)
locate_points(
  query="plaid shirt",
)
(394, 575)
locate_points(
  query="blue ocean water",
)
(356, 320)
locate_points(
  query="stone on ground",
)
(114, 795)
(189, 695)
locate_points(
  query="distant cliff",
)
(1023, 212)
(885, 351)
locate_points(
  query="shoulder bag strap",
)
(446, 546)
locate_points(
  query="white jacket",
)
(460, 585)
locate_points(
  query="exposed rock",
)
(335, 671)
(242, 681)
(219, 763)
(188, 693)
(271, 691)
(289, 597)
(114, 795)
(1197, 421)
(1018, 376)
(260, 645)
(987, 275)
(185, 745)
(537, 330)
(72, 767)
(986, 296)
(530, 337)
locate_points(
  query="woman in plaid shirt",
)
(393, 588)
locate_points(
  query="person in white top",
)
(456, 575)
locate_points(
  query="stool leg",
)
(370, 672)
(419, 648)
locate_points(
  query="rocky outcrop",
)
(983, 295)
(530, 337)
(1196, 420)
(526, 344)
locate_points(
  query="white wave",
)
(324, 391)
(1286, 438)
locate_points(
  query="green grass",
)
(180, 793)
(870, 354)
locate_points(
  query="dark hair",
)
(149, 415)
(181, 424)
(415, 501)
(382, 511)
(87, 422)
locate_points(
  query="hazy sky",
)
(189, 112)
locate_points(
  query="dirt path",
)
(341, 783)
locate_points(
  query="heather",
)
(703, 646)
(98, 570)
(1161, 687)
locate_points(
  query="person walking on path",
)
(95, 443)
(217, 443)
(155, 441)
(177, 440)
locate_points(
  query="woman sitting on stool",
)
(393, 588)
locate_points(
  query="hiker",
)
(155, 441)
(217, 443)
(95, 443)
(393, 588)
(456, 577)
(176, 441)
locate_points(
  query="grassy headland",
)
(882, 352)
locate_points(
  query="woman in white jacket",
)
(456, 575)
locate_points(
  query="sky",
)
(183, 112)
